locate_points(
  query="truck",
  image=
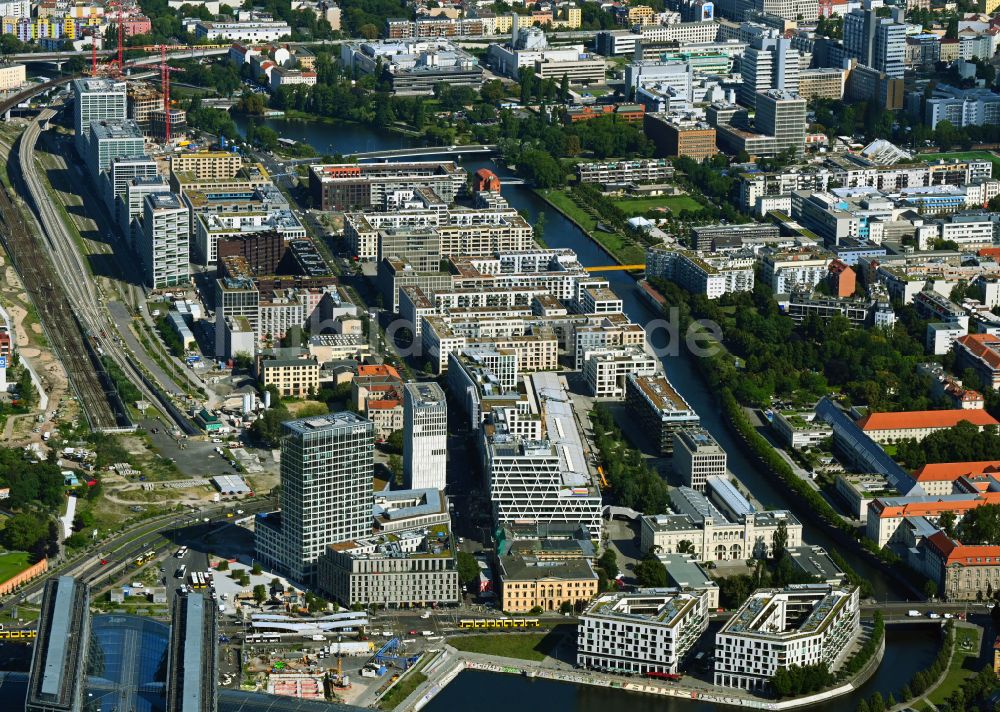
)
(913, 614)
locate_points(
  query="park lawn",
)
(964, 156)
(13, 563)
(961, 667)
(402, 689)
(674, 203)
(625, 252)
(561, 199)
(524, 646)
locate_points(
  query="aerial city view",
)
(495, 355)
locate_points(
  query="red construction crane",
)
(165, 70)
(116, 67)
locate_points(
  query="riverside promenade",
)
(449, 663)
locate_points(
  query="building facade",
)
(425, 435)
(649, 630)
(326, 492)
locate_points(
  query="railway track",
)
(98, 398)
(82, 292)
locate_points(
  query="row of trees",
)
(800, 680)
(629, 477)
(962, 443)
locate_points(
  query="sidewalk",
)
(452, 662)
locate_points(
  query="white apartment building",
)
(804, 624)
(649, 630)
(326, 492)
(786, 270)
(541, 480)
(606, 370)
(253, 32)
(12, 76)
(968, 230)
(210, 226)
(130, 204)
(711, 275)
(425, 435)
(536, 345)
(697, 456)
(163, 245)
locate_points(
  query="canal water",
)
(908, 650)
(680, 367)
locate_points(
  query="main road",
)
(121, 550)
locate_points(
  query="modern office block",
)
(804, 624)
(326, 492)
(96, 100)
(768, 63)
(783, 116)
(165, 240)
(697, 456)
(58, 665)
(110, 139)
(425, 435)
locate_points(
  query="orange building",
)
(981, 353)
(938, 478)
(485, 181)
(632, 113)
(842, 278)
(918, 424)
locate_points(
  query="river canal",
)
(909, 649)
(679, 368)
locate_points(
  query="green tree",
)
(259, 593)
(608, 562)
(394, 443)
(256, 570)
(468, 568)
(26, 389)
(685, 546)
(565, 607)
(863, 706)
(267, 428)
(23, 532)
(650, 572)
(947, 523)
(876, 703)
(779, 540)
(981, 526)
(223, 565)
(492, 92)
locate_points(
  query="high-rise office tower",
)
(425, 435)
(96, 100)
(783, 116)
(768, 63)
(326, 492)
(890, 47)
(876, 42)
